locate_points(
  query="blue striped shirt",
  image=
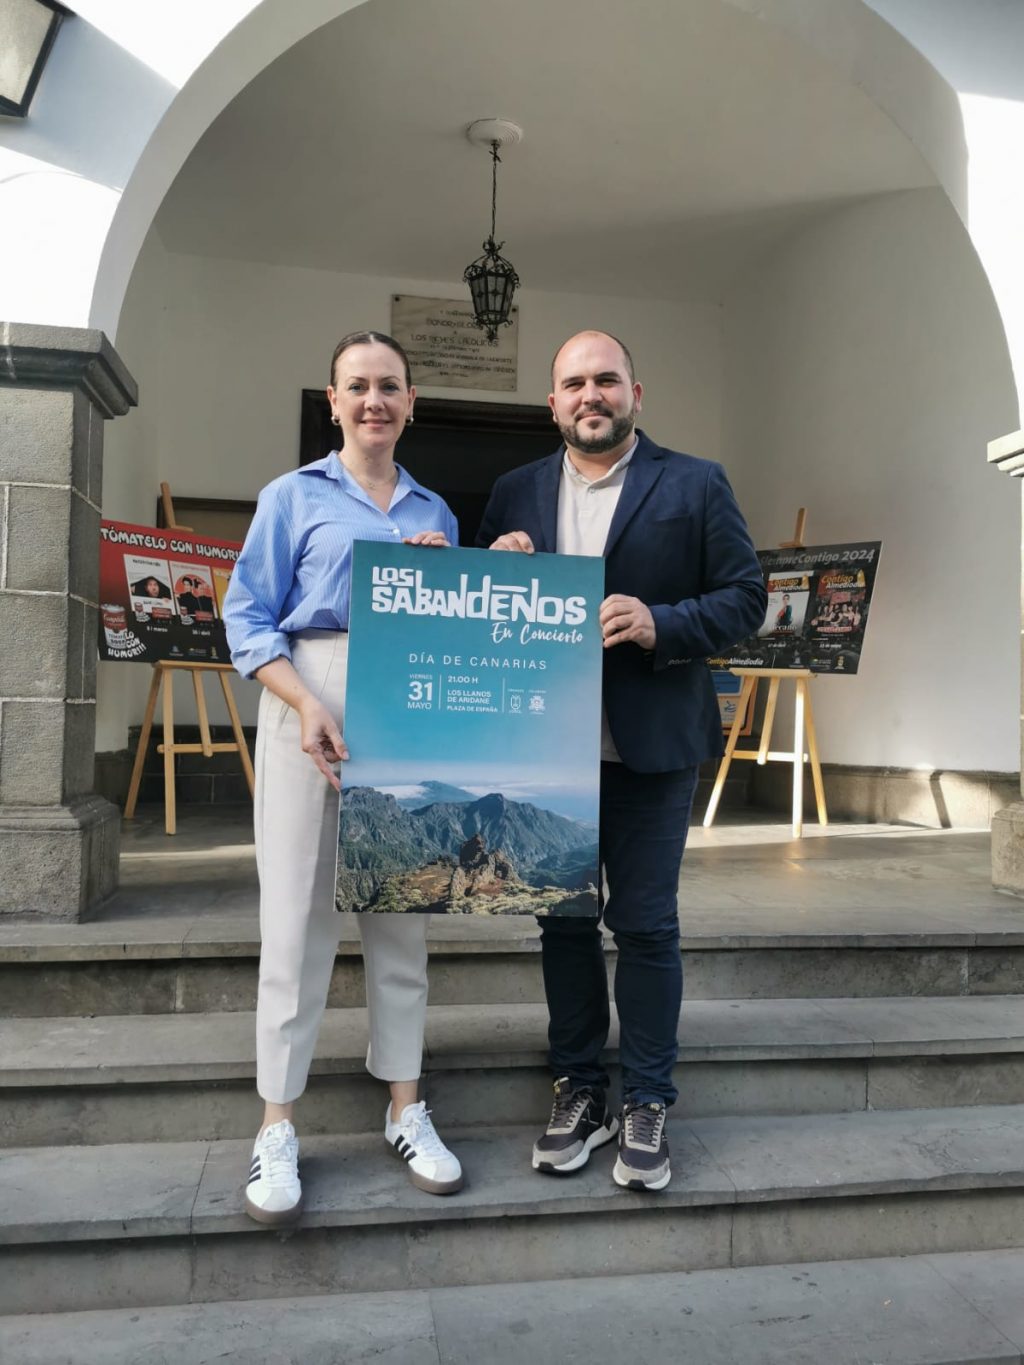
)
(294, 572)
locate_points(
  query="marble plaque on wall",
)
(447, 350)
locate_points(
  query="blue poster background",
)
(472, 716)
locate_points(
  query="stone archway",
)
(70, 381)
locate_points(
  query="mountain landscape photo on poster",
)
(472, 716)
(818, 602)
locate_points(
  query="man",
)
(683, 583)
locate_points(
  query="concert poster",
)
(473, 720)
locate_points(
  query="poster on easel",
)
(728, 688)
(473, 720)
(162, 594)
(819, 598)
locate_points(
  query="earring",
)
(335, 420)
(409, 420)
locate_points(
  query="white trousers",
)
(296, 825)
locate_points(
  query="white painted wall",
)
(130, 452)
(977, 47)
(241, 340)
(222, 349)
(864, 371)
(130, 474)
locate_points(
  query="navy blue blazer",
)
(677, 541)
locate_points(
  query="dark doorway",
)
(455, 448)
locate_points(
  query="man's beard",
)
(619, 431)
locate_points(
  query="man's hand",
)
(514, 540)
(427, 538)
(321, 739)
(625, 619)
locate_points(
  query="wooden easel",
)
(163, 676)
(803, 722)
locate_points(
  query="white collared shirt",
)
(585, 511)
(586, 507)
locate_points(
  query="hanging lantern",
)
(491, 278)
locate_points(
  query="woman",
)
(286, 613)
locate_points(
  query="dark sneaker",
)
(579, 1122)
(643, 1148)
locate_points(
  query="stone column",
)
(1008, 824)
(59, 841)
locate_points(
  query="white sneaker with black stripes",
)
(414, 1138)
(273, 1193)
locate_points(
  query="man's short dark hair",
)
(599, 331)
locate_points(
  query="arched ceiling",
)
(666, 143)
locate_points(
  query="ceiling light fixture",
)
(492, 280)
(27, 31)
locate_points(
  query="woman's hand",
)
(321, 738)
(427, 538)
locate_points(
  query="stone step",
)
(156, 965)
(136, 1225)
(919, 1310)
(191, 1076)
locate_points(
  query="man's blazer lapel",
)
(642, 473)
(549, 476)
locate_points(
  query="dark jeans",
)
(644, 821)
